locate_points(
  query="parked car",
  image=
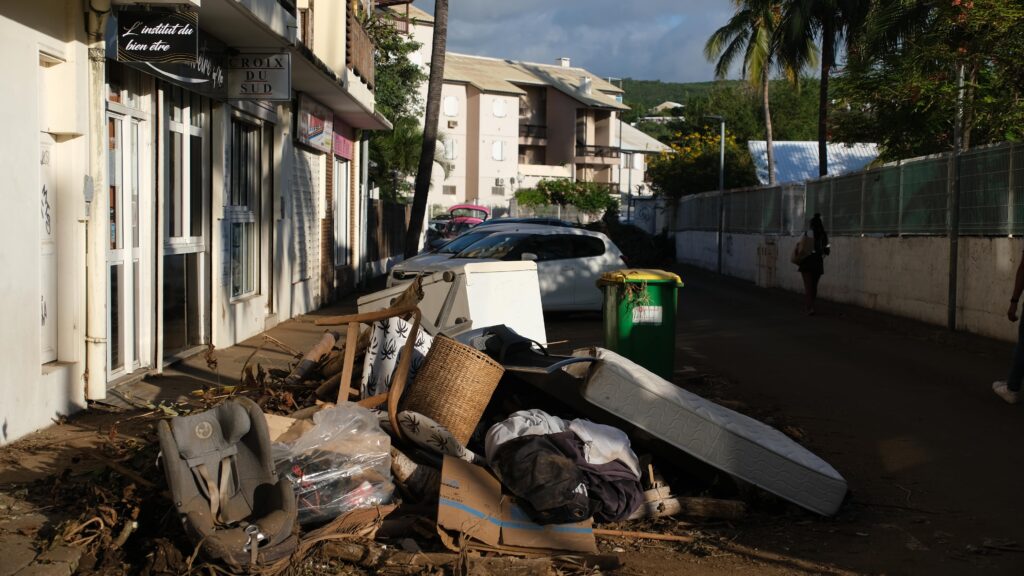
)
(464, 217)
(435, 228)
(569, 262)
(445, 249)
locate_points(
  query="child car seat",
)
(222, 479)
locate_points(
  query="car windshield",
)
(462, 242)
(470, 212)
(495, 246)
(457, 228)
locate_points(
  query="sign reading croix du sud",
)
(260, 76)
(157, 36)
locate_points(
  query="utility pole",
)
(721, 187)
(954, 216)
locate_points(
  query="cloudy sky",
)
(641, 39)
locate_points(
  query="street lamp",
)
(721, 186)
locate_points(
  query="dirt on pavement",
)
(902, 410)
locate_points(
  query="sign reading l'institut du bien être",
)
(157, 36)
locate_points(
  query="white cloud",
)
(643, 39)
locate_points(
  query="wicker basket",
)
(453, 386)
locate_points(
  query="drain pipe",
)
(97, 230)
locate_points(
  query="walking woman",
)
(813, 266)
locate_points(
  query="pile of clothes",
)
(565, 471)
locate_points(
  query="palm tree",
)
(433, 105)
(753, 32)
(396, 155)
(836, 23)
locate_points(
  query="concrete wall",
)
(457, 133)
(561, 128)
(330, 28)
(534, 173)
(493, 129)
(632, 167)
(905, 276)
(33, 392)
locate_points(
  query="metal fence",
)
(908, 197)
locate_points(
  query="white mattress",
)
(723, 438)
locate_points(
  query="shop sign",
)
(158, 36)
(207, 75)
(343, 142)
(260, 76)
(315, 124)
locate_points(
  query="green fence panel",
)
(984, 191)
(1017, 191)
(882, 200)
(819, 201)
(925, 197)
(846, 204)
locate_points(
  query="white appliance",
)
(475, 295)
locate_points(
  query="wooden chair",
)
(401, 374)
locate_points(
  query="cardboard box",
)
(471, 503)
(285, 429)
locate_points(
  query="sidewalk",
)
(223, 366)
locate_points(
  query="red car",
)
(464, 217)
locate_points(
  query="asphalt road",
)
(903, 410)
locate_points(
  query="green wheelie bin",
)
(640, 316)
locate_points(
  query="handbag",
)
(802, 249)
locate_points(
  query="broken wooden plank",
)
(345, 383)
(403, 562)
(659, 504)
(312, 357)
(505, 566)
(643, 535)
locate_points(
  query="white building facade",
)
(164, 213)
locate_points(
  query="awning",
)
(236, 25)
(312, 76)
(273, 28)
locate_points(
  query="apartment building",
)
(180, 174)
(515, 123)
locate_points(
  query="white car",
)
(413, 267)
(569, 262)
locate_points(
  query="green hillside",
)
(794, 111)
(645, 94)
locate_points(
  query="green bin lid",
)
(648, 275)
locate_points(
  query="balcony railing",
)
(533, 131)
(359, 50)
(590, 151)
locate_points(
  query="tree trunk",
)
(769, 141)
(434, 84)
(828, 41)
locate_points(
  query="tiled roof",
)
(414, 13)
(496, 75)
(798, 161)
(634, 140)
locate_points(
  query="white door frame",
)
(131, 239)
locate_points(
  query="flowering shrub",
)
(692, 165)
(589, 197)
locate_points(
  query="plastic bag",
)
(342, 463)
